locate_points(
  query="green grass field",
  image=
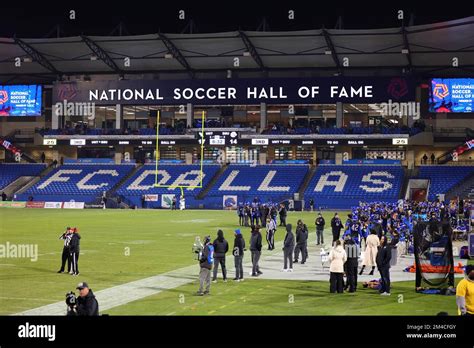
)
(120, 246)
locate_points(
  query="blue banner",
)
(320, 90)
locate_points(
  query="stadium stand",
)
(11, 171)
(79, 182)
(343, 186)
(185, 175)
(267, 182)
(443, 178)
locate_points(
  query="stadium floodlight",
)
(405, 51)
(27, 60)
(328, 52)
(93, 57)
(168, 56)
(246, 54)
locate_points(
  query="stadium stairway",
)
(24, 185)
(306, 181)
(464, 189)
(216, 177)
(114, 189)
(118, 201)
(408, 174)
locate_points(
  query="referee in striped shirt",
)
(271, 229)
(66, 236)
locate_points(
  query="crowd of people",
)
(377, 228)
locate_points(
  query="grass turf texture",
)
(158, 242)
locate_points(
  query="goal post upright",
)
(157, 157)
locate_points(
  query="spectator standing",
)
(465, 293)
(353, 252)
(337, 258)
(288, 246)
(271, 229)
(256, 250)
(336, 226)
(301, 241)
(370, 254)
(206, 261)
(238, 251)
(283, 214)
(221, 247)
(320, 222)
(384, 256)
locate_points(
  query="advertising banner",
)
(151, 198)
(9, 204)
(229, 202)
(34, 204)
(166, 200)
(53, 205)
(73, 205)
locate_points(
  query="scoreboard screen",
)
(451, 95)
(20, 100)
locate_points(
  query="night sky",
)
(142, 17)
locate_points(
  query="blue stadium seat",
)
(268, 182)
(443, 178)
(78, 182)
(9, 172)
(188, 175)
(343, 186)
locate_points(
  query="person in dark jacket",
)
(238, 251)
(283, 214)
(320, 222)
(384, 255)
(74, 250)
(87, 304)
(255, 250)
(336, 226)
(221, 247)
(301, 241)
(288, 246)
(353, 252)
(205, 262)
(66, 255)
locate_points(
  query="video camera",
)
(197, 248)
(71, 301)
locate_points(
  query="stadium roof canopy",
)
(423, 50)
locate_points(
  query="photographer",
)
(85, 305)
